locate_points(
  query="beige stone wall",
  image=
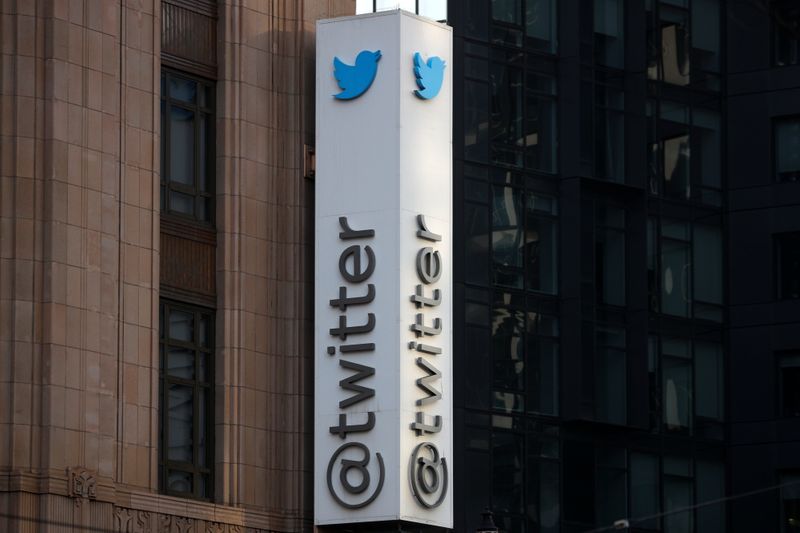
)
(79, 256)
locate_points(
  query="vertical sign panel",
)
(383, 286)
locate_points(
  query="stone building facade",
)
(90, 251)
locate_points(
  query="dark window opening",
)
(186, 352)
(789, 384)
(788, 262)
(786, 31)
(787, 149)
(790, 502)
(187, 147)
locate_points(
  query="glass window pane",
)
(786, 28)
(180, 413)
(677, 390)
(506, 125)
(675, 277)
(542, 370)
(611, 503)
(508, 349)
(709, 389)
(707, 264)
(787, 150)
(540, 248)
(507, 480)
(507, 11)
(203, 423)
(540, 133)
(178, 481)
(610, 135)
(790, 385)
(611, 386)
(644, 489)
(476, 121)
(206, 329)
(181, 325)
(507, 227)
(705, 33)
(678, 494)
(476, 229)
(676, 167)
(182, 89)
(181, 203)
(610, 255)
(790, 502)
(707, 129)
(710, 487)
(202, 171)
(609, 33)
(675, 46)
(181, 146)
(180, 362)
(540, 26)
(788, 265)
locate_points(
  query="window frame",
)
(794, 176)
(206, 387)
(778, 243)
(207, 160)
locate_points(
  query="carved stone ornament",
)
(82, 483)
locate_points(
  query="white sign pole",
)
(383, 271)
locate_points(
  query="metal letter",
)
(424, 383)
(423, 232)
(349, 233)
(424, 348)
(343, 301)
(344, 428)
(421, 469)
(347, 464)
(429, 265)
(344, 330)
(421, 329)
(357, 276)
(421, 427)
(349, 383)
(420, 299)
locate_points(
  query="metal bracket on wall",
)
(309, 162)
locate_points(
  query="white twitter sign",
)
(383, 442)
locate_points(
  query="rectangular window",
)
(609, 135)
(524, 239)
(525, 359)
(710, 386)
(790, 502)
(786, 31)
(609, 245)
(707, 272)
(788, 263)
(187, 146)
(787, 149)
(710, 487)
(676, 273)
(186, 352)
(644, 483)
(609, 33)
(678, 494)
(540, 25)
(611, 375)
(543, 482)
(611, 485)
(789, 384)
(676, 384)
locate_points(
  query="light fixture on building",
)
(487, 523)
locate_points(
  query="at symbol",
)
(426, 474)
(360, 466)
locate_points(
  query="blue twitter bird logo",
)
(354, 80)
(429, 76)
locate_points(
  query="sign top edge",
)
(390, 12)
